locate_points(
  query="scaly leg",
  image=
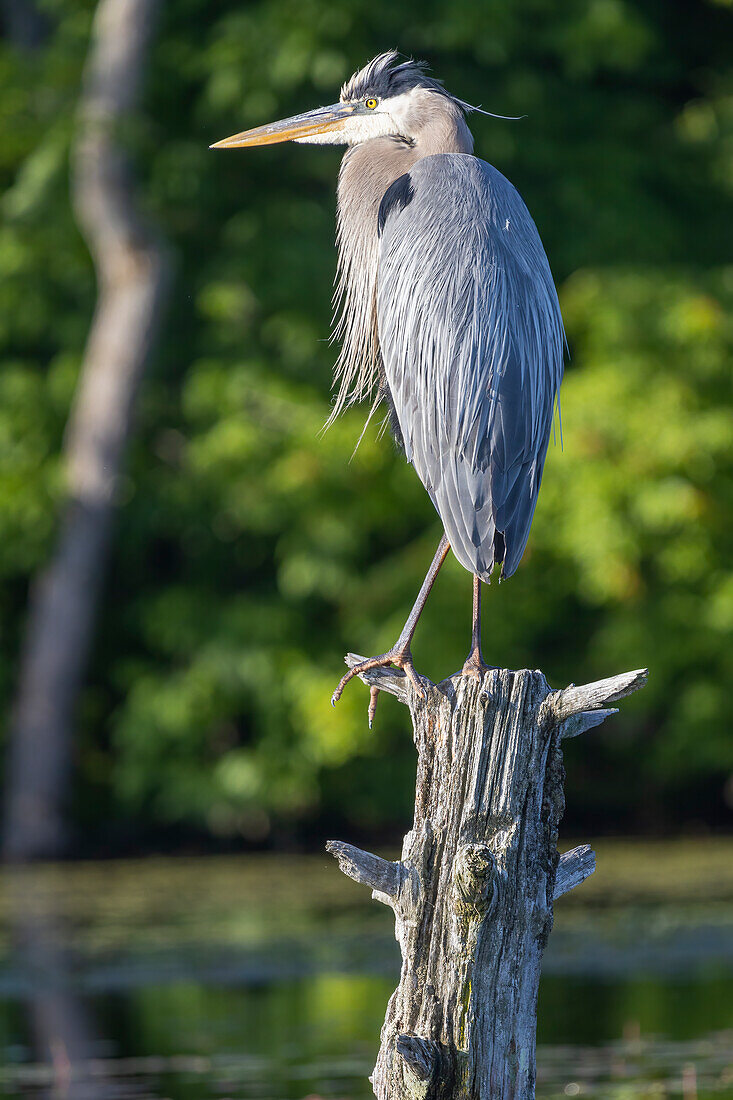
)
(475, 664)
(400, 654)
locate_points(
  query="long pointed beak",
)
(290, 129)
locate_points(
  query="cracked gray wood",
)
(474, 889)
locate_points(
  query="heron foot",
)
(401, 657)
(475, 666)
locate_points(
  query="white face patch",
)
(354, 130)
(402, 110)
(388, 119)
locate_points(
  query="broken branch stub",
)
(573, 868)
(383, 877)
(588, 697)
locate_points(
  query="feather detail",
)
(472, 343)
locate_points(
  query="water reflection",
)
(269, 979)
(60, 1024)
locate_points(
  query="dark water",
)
(268, 979)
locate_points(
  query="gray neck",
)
(367, 170)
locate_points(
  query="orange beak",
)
(292, 129)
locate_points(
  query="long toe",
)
(381, 661)
(373, 699)
(414, 679)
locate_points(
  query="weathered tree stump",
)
(474, 890)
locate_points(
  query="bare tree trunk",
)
(131, 269)
(24, 24)
(473, 893)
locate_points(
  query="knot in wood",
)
(474, 878)
(428, 1069)
(420, 1055)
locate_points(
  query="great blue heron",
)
(448, 315)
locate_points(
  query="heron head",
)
(384, 99)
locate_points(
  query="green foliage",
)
(252, 551)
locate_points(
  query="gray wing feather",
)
(472, 343)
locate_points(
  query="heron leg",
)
(400, 654)
(475, 664)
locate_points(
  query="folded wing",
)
(472, 344)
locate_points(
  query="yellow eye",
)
(371, 104)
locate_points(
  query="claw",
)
(373, 697)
